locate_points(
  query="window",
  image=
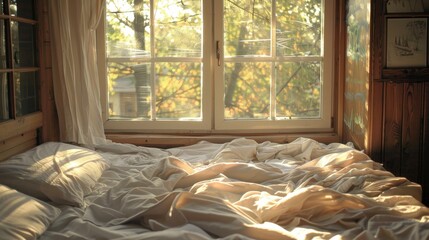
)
(19, 83)
(219, 66)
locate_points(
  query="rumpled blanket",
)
(246, 190)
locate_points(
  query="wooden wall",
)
(19, 135)
(392, 126)
(50, 130)
(23, 133)
(406, 124)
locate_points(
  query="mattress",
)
(237, 190)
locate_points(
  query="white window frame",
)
(301, 125)
(213, 113)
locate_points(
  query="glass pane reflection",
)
(4, 98)
(22, 8)
(26, 86)
(23, 44)
(3, 63)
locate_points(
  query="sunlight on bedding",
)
(22, 217)
(62, 173)
(237, 190)
(265, 201)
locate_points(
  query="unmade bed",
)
(237, 190)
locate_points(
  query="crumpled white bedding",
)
(245, 190)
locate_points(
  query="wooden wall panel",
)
(20, 125)
(17, 144)
(19, 135)
(404, 128)
(375, 128)
(425, 145)
(23, 133)
(397, 103)
(393, 127)
(50, 130)
(411, 131)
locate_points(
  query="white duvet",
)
(245, 190)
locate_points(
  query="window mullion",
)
(218, 89)
(152, 65)
(209, 64)
(273, 78)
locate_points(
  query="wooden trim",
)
(50, 130)
(20, 148)
(425, 144)
(167, 141)
(380, 71)
(24, 20)
(20, 125)
(377, 39)
(376, 91)
(376, 121)
(14, 141)
(19, 70)
(17, 144)
(340, 61)
(403, 80)
(19, 19)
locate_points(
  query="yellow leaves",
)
(178, 90)
(316, 91)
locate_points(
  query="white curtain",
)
(73, 26)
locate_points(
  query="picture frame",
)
(406, 42)
(407, 6)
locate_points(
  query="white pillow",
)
(62, 173)
(23, 217)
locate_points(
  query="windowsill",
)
(169, 140)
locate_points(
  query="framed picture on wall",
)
(407, 6)
(406, 42)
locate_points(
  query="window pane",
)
(26, 87)
(178, 90)
(127, 29)
(3, 57)
(270, 71)
(23, 44)
(4, 97)
(247, 26)
(22, 8)
(298, 90)
(178, 28)
(299, 28)
(247, 90)
(173, 90)
(129, 90)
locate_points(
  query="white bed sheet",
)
(245, 190)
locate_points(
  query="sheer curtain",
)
(73, 26)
